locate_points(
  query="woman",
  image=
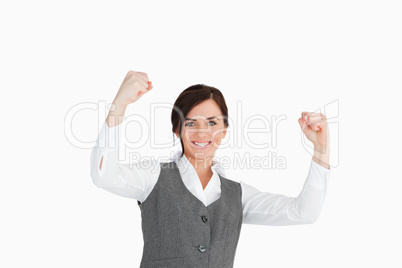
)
(191, 213)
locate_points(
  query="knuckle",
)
(143, 74)
(132, 75)
(131, 72)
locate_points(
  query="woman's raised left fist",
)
(314, 126)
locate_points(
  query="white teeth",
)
(202, 144)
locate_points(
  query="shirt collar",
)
(183, 162)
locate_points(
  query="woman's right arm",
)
(132, 181)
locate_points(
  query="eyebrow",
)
(191, 119)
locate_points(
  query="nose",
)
(203, 130)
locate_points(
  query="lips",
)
(202, 145)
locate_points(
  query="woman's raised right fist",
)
(134, 85)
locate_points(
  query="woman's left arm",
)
(266, 208)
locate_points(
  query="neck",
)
(201, 165)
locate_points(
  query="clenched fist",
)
(314, 126)
(134, 85)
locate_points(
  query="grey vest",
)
(179, 231)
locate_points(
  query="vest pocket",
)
(167, 262)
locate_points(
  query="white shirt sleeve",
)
(263, 208)
(135, 180)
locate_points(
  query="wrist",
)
(320, 148)
(119, 104)
(321, 155)
(116, 114)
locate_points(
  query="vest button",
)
(202, 248)
(204, 218)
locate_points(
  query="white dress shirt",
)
(137, 180)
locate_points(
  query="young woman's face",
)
(203, 131)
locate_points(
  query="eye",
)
(190, 124)
(212, 123)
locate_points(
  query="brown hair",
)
(191, 97)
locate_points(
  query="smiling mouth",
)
(202, 144)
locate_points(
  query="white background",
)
(276, 57)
